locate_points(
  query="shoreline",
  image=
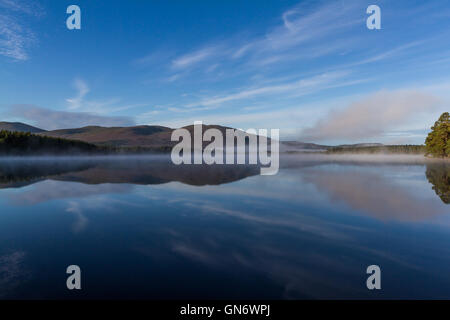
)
(299, 156)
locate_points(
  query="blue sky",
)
(310, 68)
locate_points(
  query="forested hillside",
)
(25, 143)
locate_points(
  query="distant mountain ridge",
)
(150, 136)
(155, 137)
(20, 127)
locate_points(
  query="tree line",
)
(390, 149)
(25, 143)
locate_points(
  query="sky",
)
(309, 68)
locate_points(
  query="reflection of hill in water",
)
(140, 172)
(158, 170)
(438, 174)
(133, 171)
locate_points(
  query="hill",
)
(143, 136)
(154, 137)
(136, 139)
(19, 127)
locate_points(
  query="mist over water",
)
(141, 227)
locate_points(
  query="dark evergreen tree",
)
(438, 140)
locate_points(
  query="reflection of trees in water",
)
(30, 171)
(133, 171)
(438, 174)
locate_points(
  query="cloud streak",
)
(51, 119)
(83, 89)
(193, 58)
(302, 86)
(303, 27)
(102, 107)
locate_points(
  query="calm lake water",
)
(141, 228)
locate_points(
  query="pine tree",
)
(438, 140)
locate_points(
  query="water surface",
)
(143, 228)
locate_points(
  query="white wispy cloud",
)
(241, 51)
(310, 48)
(309, 23)
(263, 116)
(392, 52)
(32, 8)
(303, 24)
(192, 58)
(15, 34)
(49, 119)
(77, 101)
(14, 39)
(307, 32)
(305, 85)
(174, 77)
(101, 107)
